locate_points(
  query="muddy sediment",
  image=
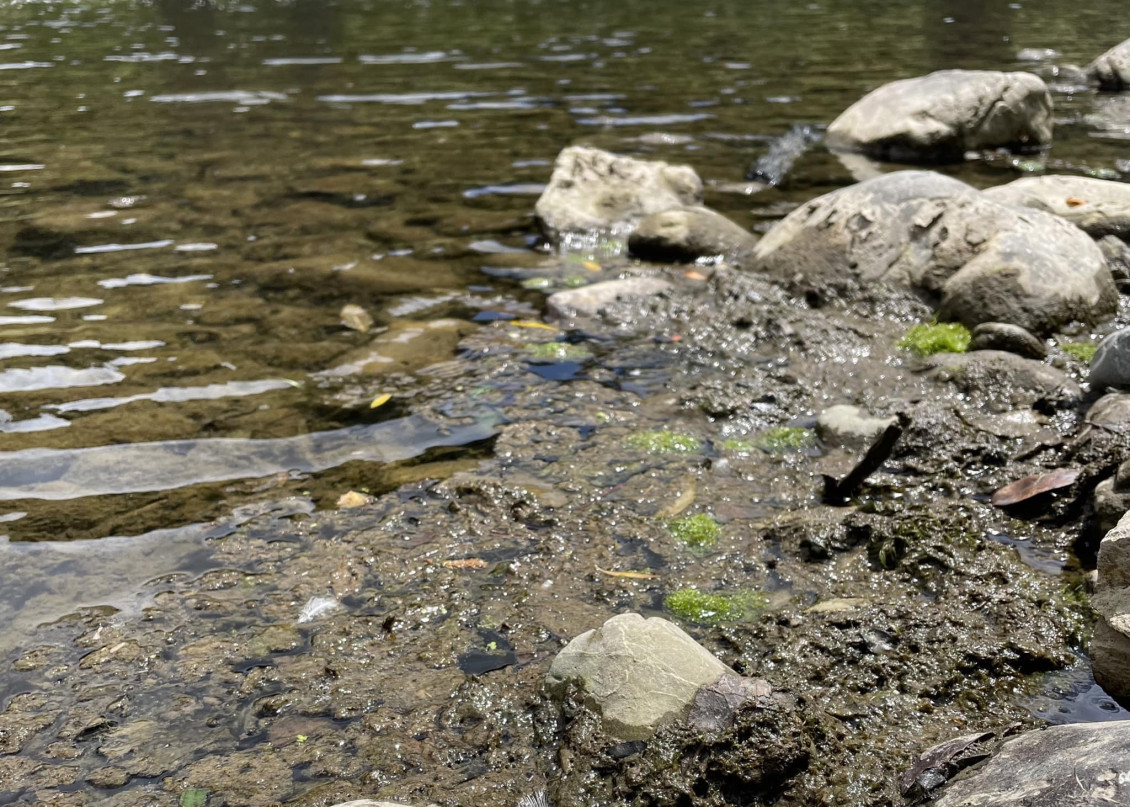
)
(902, 619)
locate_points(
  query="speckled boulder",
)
(1112, 69)
(940, 116)
(597, 192)
(977, 260)
(1098, 207)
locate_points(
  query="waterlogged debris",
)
(536, 799)
(713, 609)
(355, 317)
(663, 441)
(685, 499)
(629, 575)
(1031, 486)
(530, 323)
(936, 337)
(351, 499)
(696, 532)
(465, 563)
(838, 491)
(316, 607)
(380, 400)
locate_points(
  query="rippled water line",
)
(233, 389)
(55, 475)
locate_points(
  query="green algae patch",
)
(697, 532)
(936, 337)
(785, 438)
(557, 351)
(1080, 351)
(663, 441)
(693, 605)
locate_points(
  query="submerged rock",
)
(685, 234)
(1099, 207)
(1010, 338)
(1110, 366)
(1112, 69)
(636, 673)
(941, 116)
(588, 301)
(850, 426)
(981, 261)
(1080, 764)
(1110, 645)
(593, 191)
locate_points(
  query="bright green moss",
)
(696, 532)
(557, 351)
(1080, 351)
(936, 337)
(786, 438)
(663, 441)
(739, 446)
(712, 609)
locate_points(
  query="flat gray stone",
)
(1098, 207)
(597, 192)
(685, 234)
(1112, 69)
(850, 426)
(1110, 366)
(945, 114)
(636, 673)
(588, 301)
(977, 259)
(1011, 338)
(1077, 765)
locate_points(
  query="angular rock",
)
(1098, 207)
(1112, 69)
(1109, 504)
(685, 234)
(1110, 411)
(1010, 338)
(1117, 254)
(715, 705)
(978, 260)
(594, 191)
(636, 673)
(850, 426)
(1110, 366)
(1004, 376)
(1110, 645)
(587, 301)
(941, 116)
(1082, 764)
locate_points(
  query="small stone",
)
(685, 234)
(1007, 337)
(353, 499)
(1111, 365)
(589, 300)
(356, 318)
(109, 777)
(850, 426)
(636, 673)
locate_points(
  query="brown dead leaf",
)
(629, 575)
(465, 563)
(1075, 201)
(592, 266)
(1024, 489)
(691, 274)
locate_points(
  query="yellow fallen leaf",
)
(465, 563)
(380, 400)
(629, 575)
(592, 266)
(531, 323)
(1075, 201)
(352, 499)
(691, 274)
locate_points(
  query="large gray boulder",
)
(636, 673)
(1112, 69)
(1110, 644)
(597, 192)
(1076, 765)
(941, 116)
(1099, 207)
(1110, 366)
(976, 259)
(685, 234)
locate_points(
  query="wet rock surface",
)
(1098, 207)
(596, 191)
(683, 235)
(1110, 647)
(1110, 366)
(1082, 764)
(977, 260)
(1010, 338)
(1112, 69)
(941, 116)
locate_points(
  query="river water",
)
(193, 190)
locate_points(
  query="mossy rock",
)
(664, 441)
(700, 607)
(926, 339)
(696, 532)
